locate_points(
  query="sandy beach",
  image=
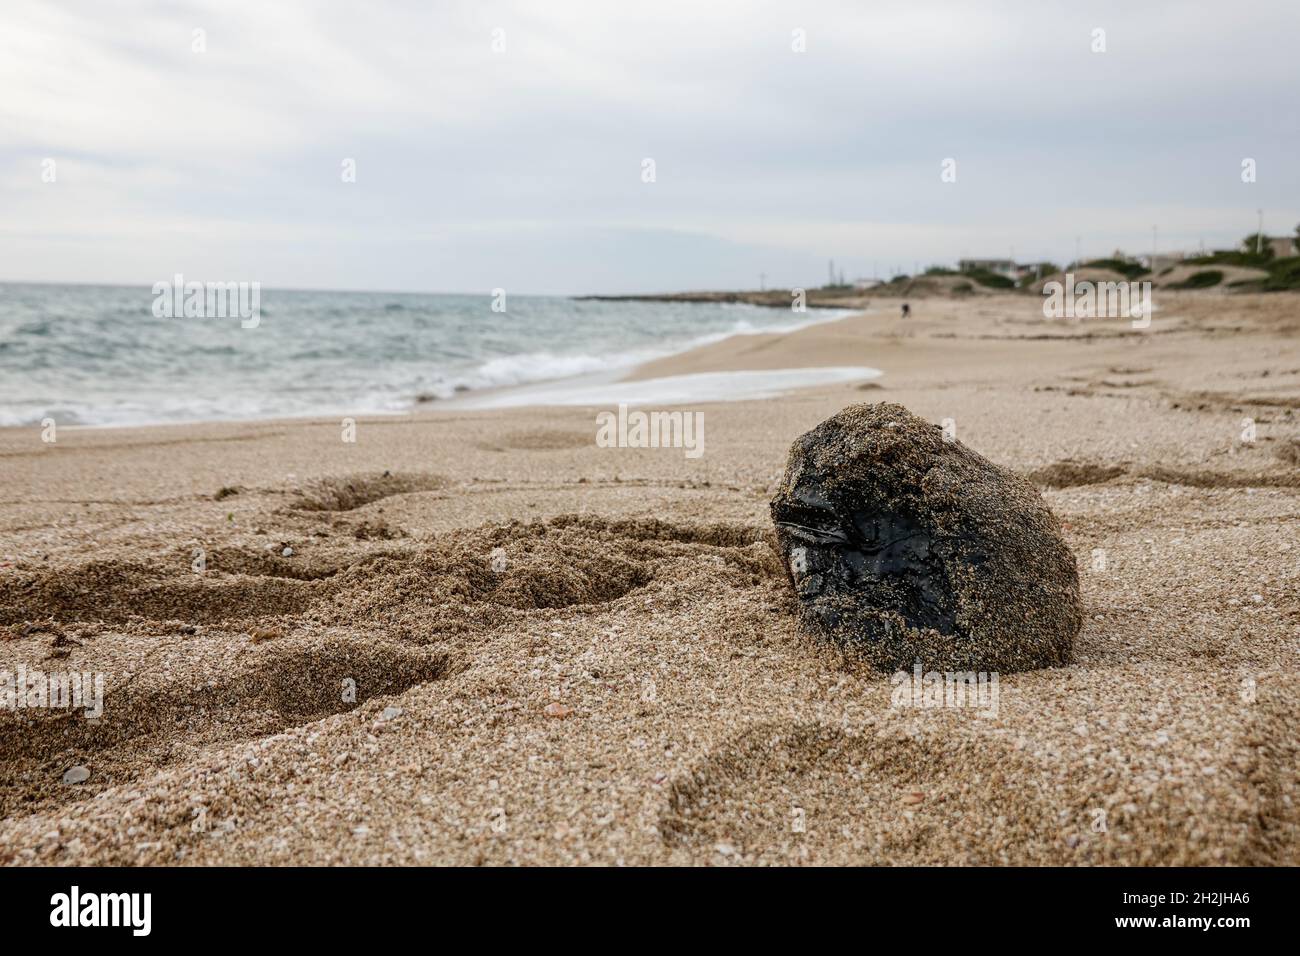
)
(476, 637)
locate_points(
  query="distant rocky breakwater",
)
(771, 298)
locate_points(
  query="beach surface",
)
(477, 637)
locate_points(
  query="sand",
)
(478, 638)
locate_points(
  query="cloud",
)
(767, 160)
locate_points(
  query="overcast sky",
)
(522, 168)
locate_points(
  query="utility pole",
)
(1153, 249)
(1077, 239)
(762, 282)
(1259, 234)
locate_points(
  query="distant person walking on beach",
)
(907, 310)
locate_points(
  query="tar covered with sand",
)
(912, 549)
(478, 638)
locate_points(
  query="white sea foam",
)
(672, 389)
(98, 356)
(517, 370)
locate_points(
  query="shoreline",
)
(487, 396)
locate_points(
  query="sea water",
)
(102, 355)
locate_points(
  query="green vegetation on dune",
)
(1283, 274)
(1200, 280)
(1128, 268)
(1246, 256)
(990, 280)
(1246, 260)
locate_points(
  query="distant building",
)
(865, 284)
(1002, 267)
(1283, 246)
(1037, 269)
(1161, 261)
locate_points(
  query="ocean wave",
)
(109, 362)
(529, 369)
